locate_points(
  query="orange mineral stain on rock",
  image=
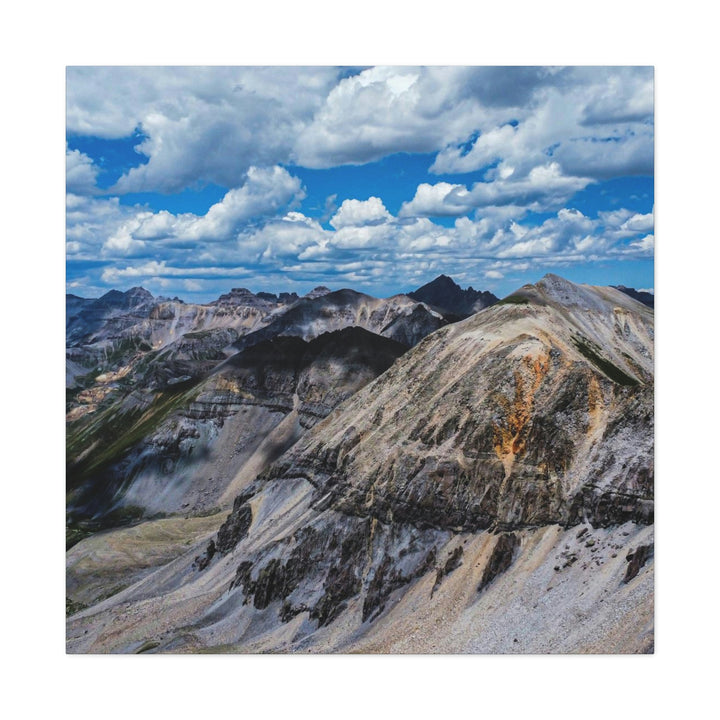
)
(509, 435)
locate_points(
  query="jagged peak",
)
(139, 292)
(241, 291)
(449, 297)
(135, 296)
(441, 281)
(319, 291)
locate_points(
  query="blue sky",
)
(189, 181)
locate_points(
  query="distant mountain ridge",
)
(442, 292)
(243, 296)
(446, 295)
(397, 317)
(642, 296)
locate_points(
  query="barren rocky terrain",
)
(489, 489)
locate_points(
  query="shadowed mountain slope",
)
(181, 449)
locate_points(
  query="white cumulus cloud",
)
(201, 124)
(211, 124)
(441, 199)
(266, 191)
(80, 172)
(360, 212)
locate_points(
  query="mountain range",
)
(441, 471)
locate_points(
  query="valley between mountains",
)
(437, 472)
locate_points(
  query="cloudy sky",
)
(190, 181)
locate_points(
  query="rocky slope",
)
(517, 416)
(136, 363)
(120, 329)
(182, 449)
(491, 491)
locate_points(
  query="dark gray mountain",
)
(447, 296)
(642, 296)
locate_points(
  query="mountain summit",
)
(446, 295)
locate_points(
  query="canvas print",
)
(360, 360)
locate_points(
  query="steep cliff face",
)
(491, 491)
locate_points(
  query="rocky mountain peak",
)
(242, 296)
(446, 295)
(139, 292)
(131, 299)
(317, 292)
(245, 297)
(557, 289)
(444, 281)
(562, 293)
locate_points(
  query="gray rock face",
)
(637, 560)
(235, 528)
(501, 559)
